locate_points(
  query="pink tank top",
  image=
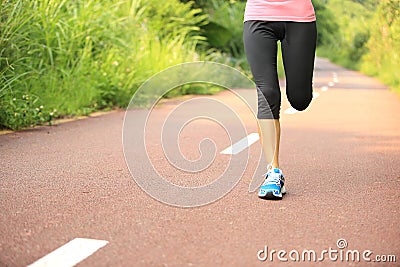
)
(280, 10)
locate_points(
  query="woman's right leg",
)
(260, 40)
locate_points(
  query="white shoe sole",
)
(270, 195)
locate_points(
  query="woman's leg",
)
(270, 140)
(298, 52)
(260, 40)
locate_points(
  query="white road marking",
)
(331, 84)
(291, 111)
(242, 144)
(71, 253)
(335, 80)
(324, 88)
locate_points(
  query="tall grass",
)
(60, 57)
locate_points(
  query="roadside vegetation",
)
(65, 58)
(365, 36)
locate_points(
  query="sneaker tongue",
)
(276, 170)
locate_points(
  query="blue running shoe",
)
(273, 186)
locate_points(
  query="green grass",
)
(74, 57)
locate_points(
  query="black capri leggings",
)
(298, 41)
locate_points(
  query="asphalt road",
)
(341, 159)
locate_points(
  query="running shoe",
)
(273, 186)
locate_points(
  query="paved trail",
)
(341, 159)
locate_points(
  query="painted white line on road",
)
(324, 88)
(331, 84)
(71, 253)
(335, 80)
(242, 144)
(291, 111)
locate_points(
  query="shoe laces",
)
(272, 178)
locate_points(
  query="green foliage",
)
(225, 28)
(347, 42)
(24, 110)
(367, 37)
(79, 56)
(326, 24)
(383, 57)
